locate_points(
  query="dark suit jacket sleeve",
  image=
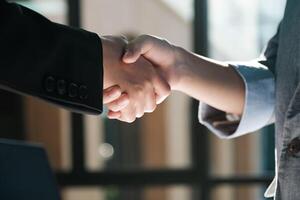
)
(60, 64)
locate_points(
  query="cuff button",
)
(61, 87)
(50, 84)
(73, 90)
(83, 92)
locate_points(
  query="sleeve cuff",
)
(259, 104)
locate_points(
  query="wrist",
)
(113, 49)
(106, 60)
(180, 68)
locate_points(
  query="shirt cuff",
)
(259, 104)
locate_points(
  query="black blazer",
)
(60, 64)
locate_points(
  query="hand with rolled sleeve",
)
(231, 95)
(194, 75)
(236, 98)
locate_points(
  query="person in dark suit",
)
(70, 67)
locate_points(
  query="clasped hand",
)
(137, 75)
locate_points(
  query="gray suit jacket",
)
(282, 59)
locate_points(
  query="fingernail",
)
(116, 94)
(123, 102)
(113, 115)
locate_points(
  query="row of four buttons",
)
(62, 87)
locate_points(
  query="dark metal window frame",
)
(198, 176)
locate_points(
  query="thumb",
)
(131, 55)
(135, 49)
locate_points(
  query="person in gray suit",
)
(238, 98)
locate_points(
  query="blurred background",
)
(166, 155)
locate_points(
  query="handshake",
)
(138, 75)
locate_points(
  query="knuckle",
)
(140, 115)
(151, 108)
(168, 88)
(167, 91)
(130, 117)
(131, 120)
(141, 112)
(112, 107)
(165, 41)
(144, 37)
(147, 87)
(139, 89)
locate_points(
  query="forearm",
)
(210, 81)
